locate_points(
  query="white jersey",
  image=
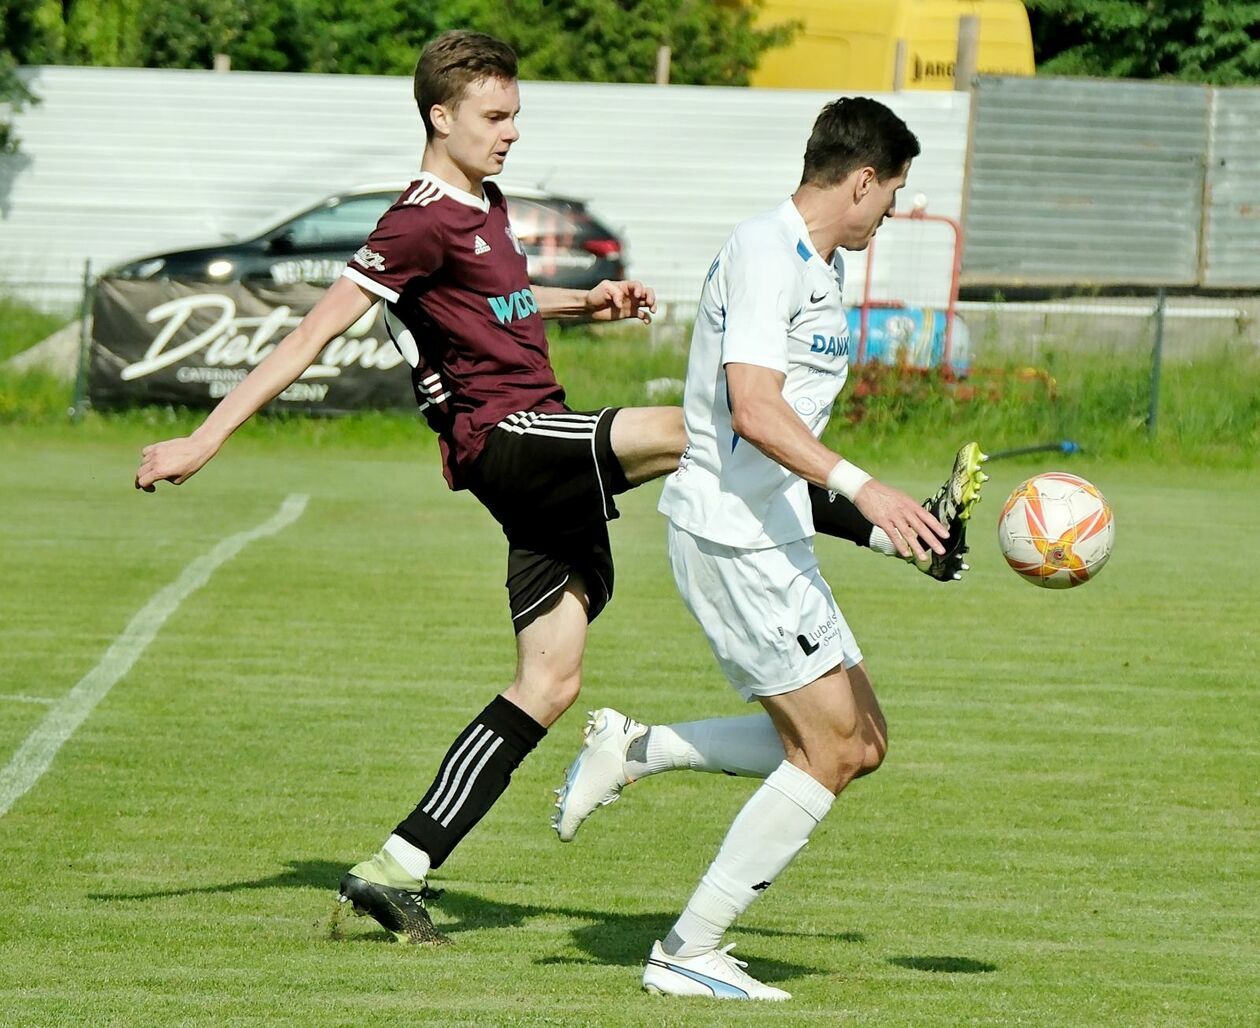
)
(769, 300)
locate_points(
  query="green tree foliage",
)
(188, 34)
(383, 37)
(1211, 41)
(615, 41)
(377, 37)
(715, 42)
(103, 32)
(30, 31)
(13, 97)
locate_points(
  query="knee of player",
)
(566, 688)
(838, 761)
(545, 689)
(850, 762)
(555, 691)
(876, 748)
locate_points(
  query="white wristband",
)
(846, 479)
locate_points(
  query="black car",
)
(564, 244)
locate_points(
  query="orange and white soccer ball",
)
(1056, 530)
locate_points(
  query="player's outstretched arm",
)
(760, 415)
(177, 460)
(608, 301)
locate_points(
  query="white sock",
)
(413, 859)
(882, 543)
(766, 835)
(744, 746)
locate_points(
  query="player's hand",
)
(175, 460)
(910, 526)
(615, 301)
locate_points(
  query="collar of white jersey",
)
(789, 212)
(482, 203)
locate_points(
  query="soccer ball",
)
(1056, 530)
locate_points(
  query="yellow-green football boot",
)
(383, 890)
(952, 506)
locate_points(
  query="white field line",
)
(37, 752)
(17, 697)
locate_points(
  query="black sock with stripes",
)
(473, 774)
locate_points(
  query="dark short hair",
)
(857, 132)
(452, 62)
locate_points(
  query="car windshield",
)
(534, 220)
(348, 221)
(345, 223)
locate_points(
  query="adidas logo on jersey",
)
(480, 246)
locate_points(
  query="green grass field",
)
(22, 325)
(1065, 832)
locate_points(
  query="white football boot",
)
(597, 774)
(716, 974)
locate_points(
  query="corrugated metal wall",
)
(1232, 231)
(117, 162)
(1085, 182)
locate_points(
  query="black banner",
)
(188, 343)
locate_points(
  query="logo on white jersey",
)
(830, 346)
(370, 259)
(480, 246)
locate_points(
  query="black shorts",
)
(549, 481)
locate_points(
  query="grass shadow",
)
(300, 874)
(610, 937)
(944, 965)
(606, 936)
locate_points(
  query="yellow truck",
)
(853, 44)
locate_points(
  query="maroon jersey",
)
(460, 310)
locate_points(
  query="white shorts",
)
(768, 614)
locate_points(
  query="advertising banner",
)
(187, 344)
(914, 337)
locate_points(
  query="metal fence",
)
(1094, 363)
(1078, 182)
(1231, 231)
(1067, 181)
(120, 161)
(1011, 332)
(1096, 183)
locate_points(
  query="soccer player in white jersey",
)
(769, 354)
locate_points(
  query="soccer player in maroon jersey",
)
(461, 310)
